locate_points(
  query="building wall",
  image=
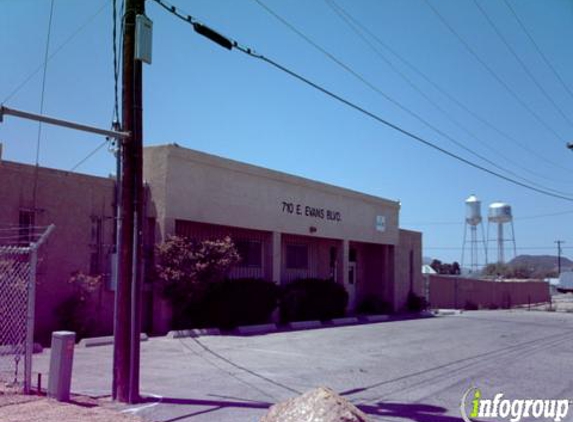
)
(212, 195)
(77, 205)
(199, 187)
(460, 293)
(407, 268)
(202, 189)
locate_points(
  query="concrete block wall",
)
(457, 292)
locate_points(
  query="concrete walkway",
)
(412, 370)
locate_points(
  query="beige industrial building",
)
(285, 228)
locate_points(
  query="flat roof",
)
(30, 168)
(189, 154)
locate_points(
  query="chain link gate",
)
(17, 301)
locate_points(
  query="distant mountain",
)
(540, 263)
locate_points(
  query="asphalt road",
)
(413, 370)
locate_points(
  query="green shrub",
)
(239, 302)
(415, 303)
(373, 305)
(227, 304)
(312, 299)
(470, 306)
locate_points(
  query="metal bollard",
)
(61, 360)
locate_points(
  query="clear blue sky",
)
(207, 98)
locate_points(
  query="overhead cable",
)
(250, 52)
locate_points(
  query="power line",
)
(87, 157)
(250, 52)
(354, 23)
(348, 21)
(42, 96)
(543, 56)
(459, 223)
(492, 72)
(56, 51)
(116, 60)
(455, 248)
(521, 63)
(418, 117)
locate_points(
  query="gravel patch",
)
(16, 407)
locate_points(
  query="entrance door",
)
(351, 287)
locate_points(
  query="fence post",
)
(29, 348)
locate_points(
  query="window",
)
(251, 253)
(96, 246)
(26, 224)
(297, 257)
(352, 255)
(95, 268)
(333, 256)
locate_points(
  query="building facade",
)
(285, 228)
(82, 209)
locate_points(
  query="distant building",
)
(285, 228)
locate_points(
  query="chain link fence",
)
(18, 262)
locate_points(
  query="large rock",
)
(318, 405)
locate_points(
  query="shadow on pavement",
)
(415, 412)
(213, 405)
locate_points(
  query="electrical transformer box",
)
(143, 38)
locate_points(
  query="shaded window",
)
(352, 255)
(96, 245)
(297, 257)
(251, 253)
(333, 256)
(95, 268)
(26, 225)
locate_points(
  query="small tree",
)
(436, 265)
(185, 261)
(76, 313)
(187, 267)
(445, 268)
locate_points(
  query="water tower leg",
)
(500, 258)
(484, 244)
(473, 248)
(513, 239)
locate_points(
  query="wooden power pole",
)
(127, 325)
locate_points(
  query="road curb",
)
(195, 332)
(256, 329)
(103, 341)
(302, 325)
(345, 321)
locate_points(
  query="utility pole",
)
(559, 242)
(127, 325)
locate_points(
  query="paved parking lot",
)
(413, 370)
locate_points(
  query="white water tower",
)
(500, 213)
(473, 220)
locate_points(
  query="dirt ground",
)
(16, 407)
